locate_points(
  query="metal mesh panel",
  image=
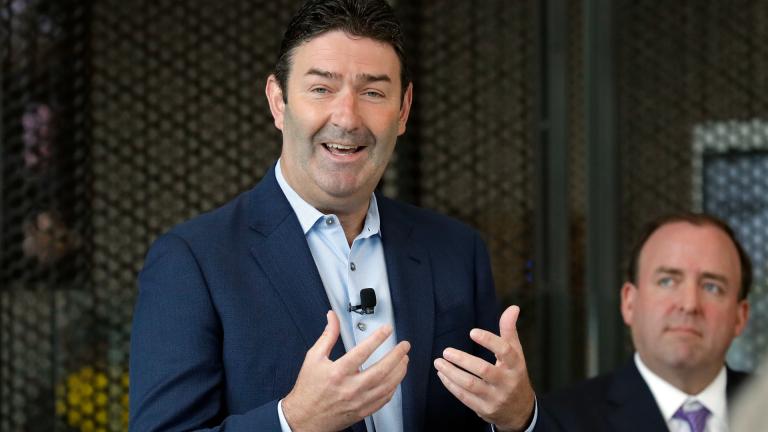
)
(180, 127)
(686, 67)
(577, 181)
(121, 119)
(45, 242)
(475, 98)
(118, 122)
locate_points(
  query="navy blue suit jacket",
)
(230, 302)
(619, 401)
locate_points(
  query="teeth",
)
(340, 146)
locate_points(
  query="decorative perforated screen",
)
(693, 101)
(121, 119)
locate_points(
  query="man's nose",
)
(690, 296)
(346, 114)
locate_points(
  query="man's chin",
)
(342, 198)
(683, 357)
(345, 186)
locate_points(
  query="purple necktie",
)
(696, 417)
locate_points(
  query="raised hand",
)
(499, 393)
(333, 395)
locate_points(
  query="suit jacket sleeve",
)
(176, 370)
(487, 307)
(547, 422)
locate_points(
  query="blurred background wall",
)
(555, 127)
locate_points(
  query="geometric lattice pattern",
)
(471, 133)
(475, 105)
(730, 165)
(736, 189)
(47, 314)
(687, 71)
(577, 185)
(180, 127)
(121, 119)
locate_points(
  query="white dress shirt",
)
(344, 271)
(669, 398)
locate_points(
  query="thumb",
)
(330, 335)
(508, 323)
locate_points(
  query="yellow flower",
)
(73, 418)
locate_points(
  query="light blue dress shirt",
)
(344, 271)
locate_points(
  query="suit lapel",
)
(282, 252)
(734, 381)
(633, 407)
(410, 284)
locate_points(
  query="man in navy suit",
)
(685, 300)
(240, 311)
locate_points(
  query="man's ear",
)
(276, 102)
(405, 109)
(742, 317)
(628, 293)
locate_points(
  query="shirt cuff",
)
(284, 423)
(533, 421)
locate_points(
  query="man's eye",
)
(666, 281)
(319, 90)
(713, 288)
(373, 94)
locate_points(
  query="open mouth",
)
(342, 149)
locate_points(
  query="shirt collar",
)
(669, 398)
(309, 216)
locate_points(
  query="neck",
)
(686, 379)
(351, 209)
(691, 383)
(351, 221)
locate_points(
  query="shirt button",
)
(352, 266)
(361, 326)
(329, 221)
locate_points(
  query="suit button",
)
(361, 326)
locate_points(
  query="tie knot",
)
(693, 413)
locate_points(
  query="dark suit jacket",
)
(230, 302)
(619, 401)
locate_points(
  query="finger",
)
(469, 399)
(381, 394)
(474, 365)
(388, 384)
(353, 359)
(390, 360)
(506, 352)
(330, 335)
(466, 381)
(508, 324)
(379, 371)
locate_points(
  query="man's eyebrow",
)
(324, 74)
(715, 276)
(364, 78)
(669, 270)
(369, 78)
